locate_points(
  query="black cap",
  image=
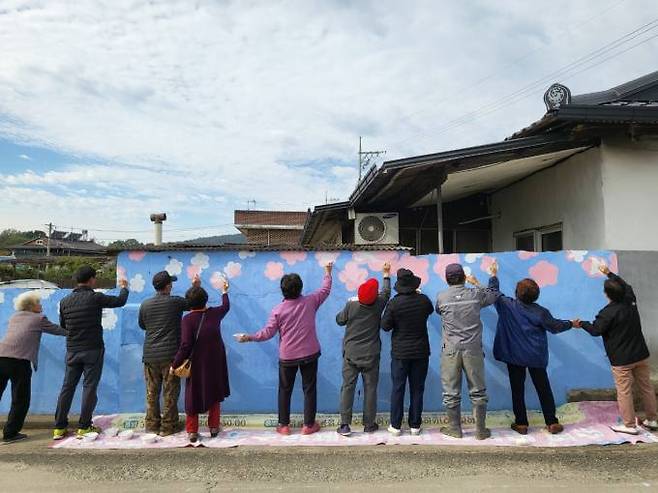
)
(161, 279)
(84, 273)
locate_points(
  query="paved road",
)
(32, 466)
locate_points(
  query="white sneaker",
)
(625, 429)
(396, 432)
(416, 431)
(651, 425)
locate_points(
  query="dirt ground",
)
(31, 466)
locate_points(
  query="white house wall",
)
(569, 193)
(630, 189)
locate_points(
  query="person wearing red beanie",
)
(368, 292)
(361, 349)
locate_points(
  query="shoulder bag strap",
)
(196, 335)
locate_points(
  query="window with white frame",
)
(543, 239)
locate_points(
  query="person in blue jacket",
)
(522, 344)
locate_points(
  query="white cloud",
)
(2, 297)
(25, 157)
(205, 103)
(246, 254)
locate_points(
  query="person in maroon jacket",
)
(201, 341)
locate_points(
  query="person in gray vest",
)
(459, 308)
(361, 350)
(160, 318)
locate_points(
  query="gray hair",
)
(26, 301)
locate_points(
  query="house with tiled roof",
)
(584, 176)
(270, 228)
(60, 243)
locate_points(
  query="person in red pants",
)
(201, 342)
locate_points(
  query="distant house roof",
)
(78, 246)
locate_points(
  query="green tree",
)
(11, 237)
(129, 244)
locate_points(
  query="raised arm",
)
(47, 326)
(385, 293)
(108, 301)
(223, 308)
(343, 316)
(319, 295)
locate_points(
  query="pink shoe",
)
(309, 430)
(283, 430)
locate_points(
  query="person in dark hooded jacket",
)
(406, 316)
(522, 344)
(361, 350)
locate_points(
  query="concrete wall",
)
(630, 190)
(569, 192)
(640, 270)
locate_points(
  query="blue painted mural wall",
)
(571, 287)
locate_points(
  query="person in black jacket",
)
(619, 325)
(80, 313)
(160, 318)
(406, 316)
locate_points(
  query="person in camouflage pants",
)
(158, 379)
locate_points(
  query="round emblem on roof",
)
(556, 96)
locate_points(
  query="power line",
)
(539, 83)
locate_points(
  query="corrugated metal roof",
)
(273, 248)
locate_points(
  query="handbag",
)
(185, 369)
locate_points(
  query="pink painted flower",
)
(613, 264)
(591, 266)
(442, 261)
(293, 257)
(193, 270)
(486, 263)
(136, 256)
(523, 255)
(274, 270)
(375, 260)
(352, 276)
(233, 269)
(217, 280)
(323, 258)
(544, 273)
(418, 265)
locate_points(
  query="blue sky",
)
(111, 111)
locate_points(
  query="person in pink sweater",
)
(299, 348)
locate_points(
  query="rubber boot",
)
(480, 415)
(454, 428)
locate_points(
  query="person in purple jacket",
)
(522, 344)
(299, 348)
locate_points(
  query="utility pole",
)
(50, 232)
(366, 158)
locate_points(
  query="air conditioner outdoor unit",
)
(377, 228)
